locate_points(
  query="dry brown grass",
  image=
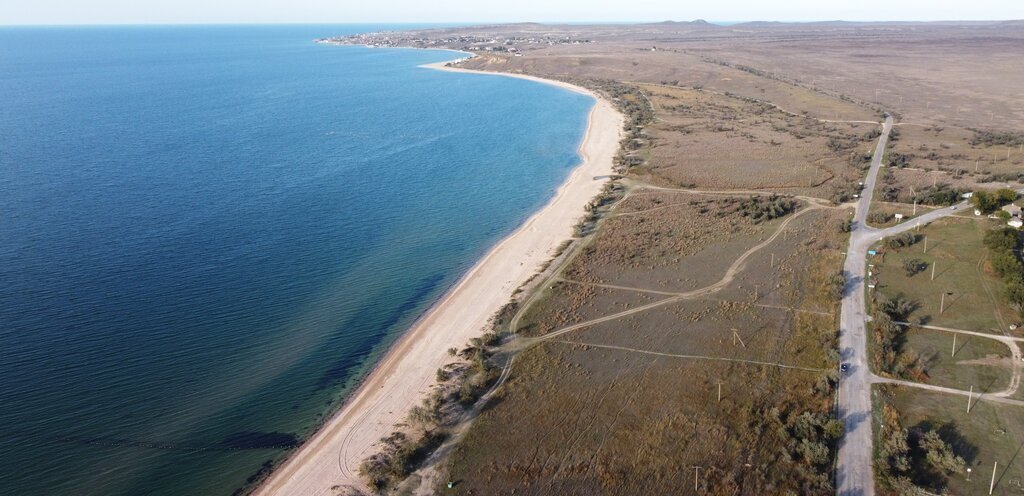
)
(714, 141)
(594, 411)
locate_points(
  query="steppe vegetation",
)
(689, 331)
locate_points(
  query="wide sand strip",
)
(405, 376)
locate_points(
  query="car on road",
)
(844, 367)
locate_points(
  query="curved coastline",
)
(405, 373)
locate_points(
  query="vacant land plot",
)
(631, 405)
(974, 297)
(990, 433)
(664, 241)
(712, 141)
(984, 364)
(956, 150)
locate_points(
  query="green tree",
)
(1003, 239)
(984, 201)
(914, 266)
(1006, 264)
(940, 455)
(1006, 195)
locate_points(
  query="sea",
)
(208, 235)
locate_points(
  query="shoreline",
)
(405, 372)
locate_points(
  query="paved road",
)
(854, 475)
(853, 469)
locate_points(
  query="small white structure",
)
(898, 217)
(1013, 210)
(1015, 223)
(966, 195)
(977, 212)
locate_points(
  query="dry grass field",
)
(683, 289)
(713, 141)
(630, 405)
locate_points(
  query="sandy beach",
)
(406, 373)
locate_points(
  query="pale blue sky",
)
(328, 11)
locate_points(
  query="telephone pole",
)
(735, 337)
(992, 485)
(933, 271)
(953, 353)
(696, 478)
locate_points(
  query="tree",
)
(1006, 264)
(914, 266)
(1003, 239)
(984, 201)
(1015, 293)
(1005, 195)
(940, 455)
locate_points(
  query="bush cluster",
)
(1004, 257)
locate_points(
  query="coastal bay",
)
(246, 222)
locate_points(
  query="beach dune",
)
(406, 373)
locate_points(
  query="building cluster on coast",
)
(515, 45)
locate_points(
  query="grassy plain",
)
(990, 433)
(630, 405)
(982, 363)
(956, 250)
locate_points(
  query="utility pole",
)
(773, 260)
(926, 243)
(953, 353)
(915, 207)
(696, 478)
(942, 302)
(970, 394)
(992, 485)
(736, 337)
(933, 271)
(719, 392)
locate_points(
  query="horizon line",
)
(489, 23)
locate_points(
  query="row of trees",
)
(890, 357)
(1004, 257)
(987, 201)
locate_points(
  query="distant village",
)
(515, 45)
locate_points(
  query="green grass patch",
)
(991, 432)
(979, 362)
(974, 299)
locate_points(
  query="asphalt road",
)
(854, 474)
(853, 468)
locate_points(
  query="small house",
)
(1015, 223)
(1013, 210)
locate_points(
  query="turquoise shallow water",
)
(208, 233)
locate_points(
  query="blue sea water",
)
(207, 234)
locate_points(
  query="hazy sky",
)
(324, 11)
